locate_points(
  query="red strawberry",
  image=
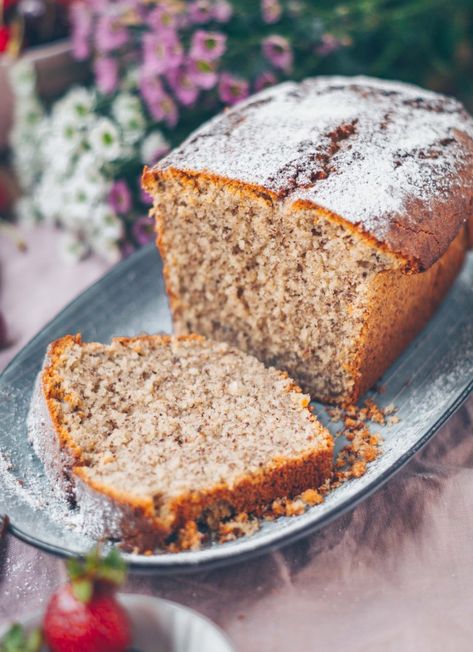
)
(4, 37)
(84, 615)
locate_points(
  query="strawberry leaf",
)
(16, 640)
(13, 639)
(34, 641)
(86, 572)
(83, 590)
(75, 568)
(92, 562)
(113, 568)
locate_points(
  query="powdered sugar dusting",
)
(362, 148)
(33, 491)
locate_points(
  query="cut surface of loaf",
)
(149, 434)
(317, 225)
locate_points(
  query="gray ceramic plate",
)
(427, 384)
(161, 625)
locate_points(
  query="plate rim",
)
(216, 557)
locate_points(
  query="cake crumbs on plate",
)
(189, 538)
(241, 525)
(353, 414)
(351, 462)
(311, 497)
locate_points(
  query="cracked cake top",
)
(390, 159)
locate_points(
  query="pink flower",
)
(98, 5)
(143, 230)
(161, 52)
(232, 89)
(328, 44)
(207, 45)
(277, 50)
(203, 73)
(264, 80)
(162, 20)
(200, 11)
(159, 103)
(271, 10)
(183, 86)
(222, 11)
(109, 34)
(119, 197)
(81, 22)
(106, 74)
(151, 87)
(164, 109)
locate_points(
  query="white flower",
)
(28, 112)
(131, 79)
(107, 231)
(49, 197)
(27, 162)
(108, 249)
(23, 78)
(78, 105)
(152, 147)
(68, 137)
(62, 159)
(86, 167)
(104, 140)
(25, 140)
(128, 113)
(106, 224)
(126, 106)
(81, 196)
(72, 247)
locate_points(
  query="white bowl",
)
(161, 626)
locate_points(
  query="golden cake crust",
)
(400, 305)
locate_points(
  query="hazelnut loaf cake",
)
(317, 225)
(150, 435)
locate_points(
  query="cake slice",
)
(150, 435)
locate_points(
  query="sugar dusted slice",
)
(151, 435)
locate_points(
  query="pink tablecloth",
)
(395, 574)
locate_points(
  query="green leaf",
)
(83, 590)
(113, 568)
(13, 638)
(35, 640)
(16, 640)
(91, 562)
(75, 568)
(84, 573)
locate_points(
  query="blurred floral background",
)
(151, 71)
